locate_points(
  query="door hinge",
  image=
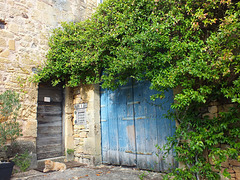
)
(141, 153)
(131, 103)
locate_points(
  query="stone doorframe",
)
(82, 133)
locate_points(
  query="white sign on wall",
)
(47, 99)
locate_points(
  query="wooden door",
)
(50, 125)
(132, 126)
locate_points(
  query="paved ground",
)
(91, 173)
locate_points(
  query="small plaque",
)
(47, 99)
(80, 114)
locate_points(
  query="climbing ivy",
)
(202, 145)
(185, 44)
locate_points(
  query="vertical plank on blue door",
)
(104, 125)
(166, 127)
(126, 126)
(140, 125)
(113, 127)
(152, 135)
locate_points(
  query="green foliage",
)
(22, 161)
(9, 104)
(141, 176)
(203, 143)
(9, 128)
(189, 44)
(192, 44)
(70, 151)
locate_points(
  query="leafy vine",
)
(189, 44)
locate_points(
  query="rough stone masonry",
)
(25, 26)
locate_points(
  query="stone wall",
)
(87, 133)
(232, 166)
(25, 26)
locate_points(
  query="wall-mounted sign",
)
(47, 99)
(80, 114)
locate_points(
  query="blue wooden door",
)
(132, 126)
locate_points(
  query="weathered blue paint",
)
(132, 125)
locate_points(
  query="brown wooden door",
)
(50, 126)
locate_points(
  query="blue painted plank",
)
(104, 125)
(113, 127)
(166, 127)
(126, 127)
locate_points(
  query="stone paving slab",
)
(91, 173)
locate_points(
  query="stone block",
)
(79, 149)
(2, 42)
(45, 48)
(213, 109)
(225, 164)
(234, 162)
(37, 15)
(14, 28)
(79, 127)
(77, 159)
(3, 5)
(10, 2)
(6, 34)
(27, 38)
(4, 60)
(225, 108)
(233, 175)
(30, 128)
(76, 136)
(77, 100)
(43, 42)
(1, 49)
(76, 141)
(236, 169)
(237, 176)
(5, 53)
(25, 44)
(230, 170)
(11, 44)
(49, 19)
(83, 134)
(210, 115)
(28, 111)
(41, 6)
(30, 4)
